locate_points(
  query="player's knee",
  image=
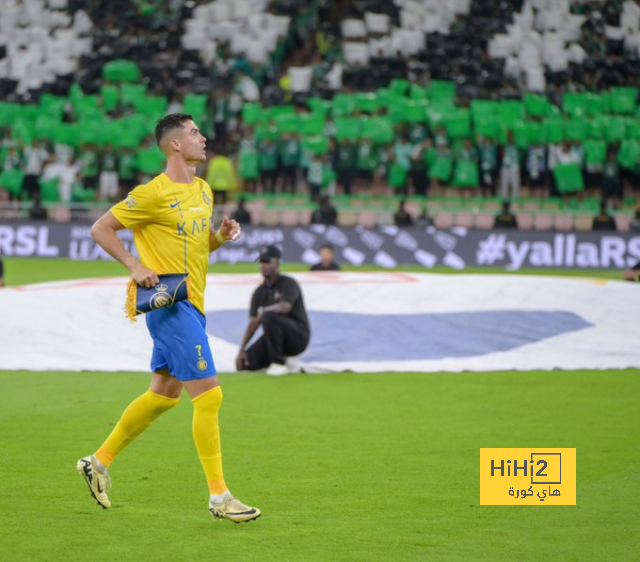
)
(268, 319)
(209, 401)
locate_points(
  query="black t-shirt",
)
(242, 216)
(333, 266)
(402, 218)
(282, 289)
(604, 222)
(327, 216)
(506, 220)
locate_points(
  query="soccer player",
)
(172, 228)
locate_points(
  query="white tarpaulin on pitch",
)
(360, 321)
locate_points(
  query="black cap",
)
(269, 252)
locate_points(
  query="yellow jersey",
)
(171, 223)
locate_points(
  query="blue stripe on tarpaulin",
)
(340, 336)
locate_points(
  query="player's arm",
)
(290, 293)
(282, 307)
(229, 230)
(104, 233)
(242, 360)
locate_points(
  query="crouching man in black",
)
(278, 307)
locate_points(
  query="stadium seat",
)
(464, 219)
(527, 204)
(290, 217)
(563, 222)
(552, 204)
(623, 221)
(485, 220)
(524, 220)
(347, 218)
(271, 217)
(491, 204)
(60, 213)
(368, 219)
(543, 221)
(255, 204)
(256, 216)
(386, 218)
(433, 205)
(305, 216)
(413, 208)
(444, 219)
(584, 222)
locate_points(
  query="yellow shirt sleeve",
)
(140, 206)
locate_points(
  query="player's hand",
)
(242, 360)
(230, 229)
(144, 276)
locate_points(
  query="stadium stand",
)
(347, 90)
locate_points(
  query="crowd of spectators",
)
(28, 171)
(418, 160)
(426, 162)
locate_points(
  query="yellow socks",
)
(206, 434)
(135, 419)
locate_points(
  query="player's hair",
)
(169, 123)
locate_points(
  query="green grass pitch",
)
(345, 467)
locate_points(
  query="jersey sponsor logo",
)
(196, 226)
(176, 204)
(130, 201)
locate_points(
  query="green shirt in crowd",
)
(290, 152)
(367, 157)
(127, 165)
(402, 154)
(511, 158)
(611, 169)
(314, 172)
(467, 154)
(488, 157)
(418, 133)
(89, 163)
(109, 162)
(347, 156)
(268, 156)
